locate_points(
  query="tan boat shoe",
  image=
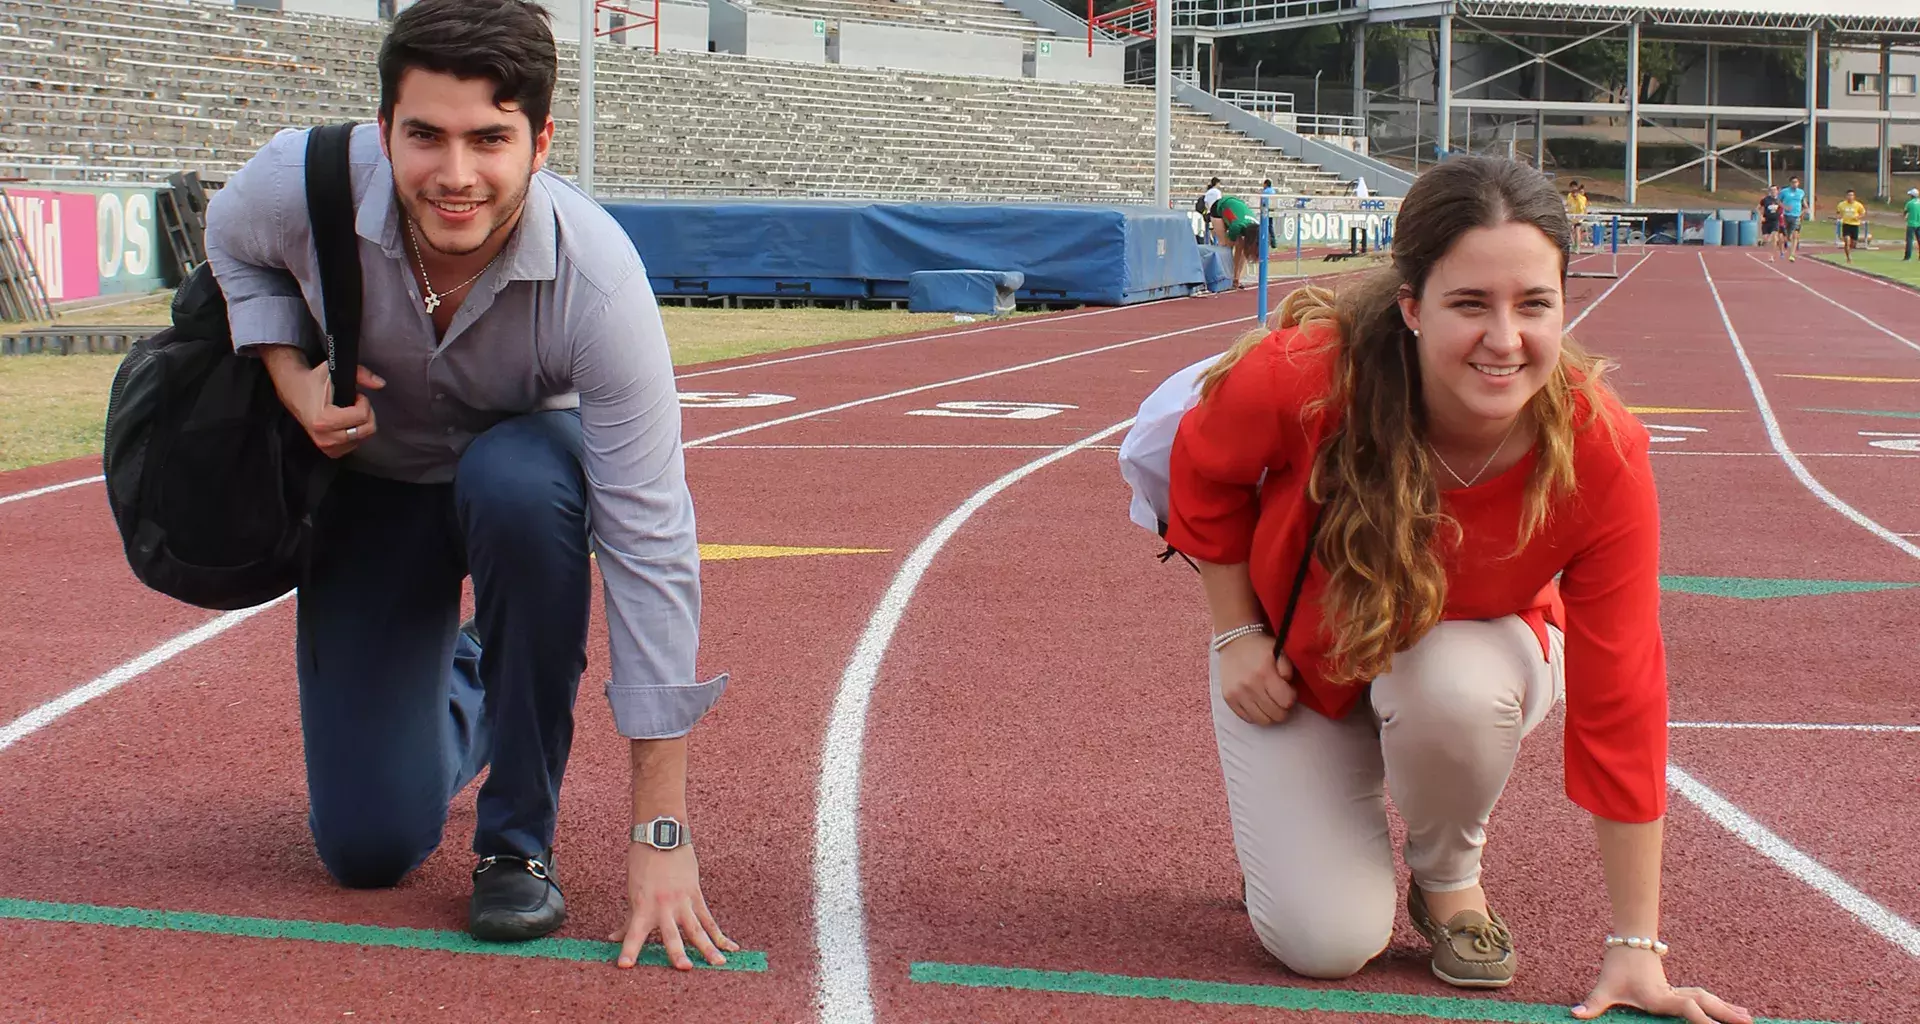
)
(1469, 951)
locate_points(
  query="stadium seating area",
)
(132, 90)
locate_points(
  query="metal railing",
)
(1329, 124)
(1143, 75)
(1278, 108)
(1265, 103)
(1227, 13)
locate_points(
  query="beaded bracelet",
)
(1657, 947)
(1221, 641)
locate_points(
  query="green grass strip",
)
(1277, 997)
(1753, 588)
(1884, 264)
(1898, 414)
(548, 948)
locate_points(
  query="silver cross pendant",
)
(433, 302)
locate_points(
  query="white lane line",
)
(881, 447)
(1115, 447)
(1831, 301)
(1804, 455)
(49, 489)
(1780, 443)
(796, 417)
(37, 492)
(1272, 283)
(1795, 726)
(1595, 304)
(840, 933)
(803, 357)
(46, 713)
(40, 717)
(1886, 923)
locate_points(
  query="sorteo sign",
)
(90, 241)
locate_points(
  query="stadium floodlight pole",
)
(589, 21)
(1163, 104)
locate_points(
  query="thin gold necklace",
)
(1483, 466)
(433, 297)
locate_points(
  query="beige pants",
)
(1441, 731)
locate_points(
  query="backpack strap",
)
(330, 210)
(1300, 577)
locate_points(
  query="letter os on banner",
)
(126, 234)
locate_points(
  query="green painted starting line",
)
(549, 948)
(1898, 414)
(1278, 997)
(1755, 588)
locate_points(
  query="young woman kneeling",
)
(1450, 520)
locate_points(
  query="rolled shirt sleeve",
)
(641, 515)
(253, 222)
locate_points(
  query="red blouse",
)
(1603, 542)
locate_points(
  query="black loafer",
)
(515, 899)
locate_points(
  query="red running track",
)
(1040, 701)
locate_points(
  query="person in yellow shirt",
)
(1853, 213)
(1577, 206)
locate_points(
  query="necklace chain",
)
(1483, 466)
(433, 298)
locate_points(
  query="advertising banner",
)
(90, 241)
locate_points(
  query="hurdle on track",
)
(1601, 239)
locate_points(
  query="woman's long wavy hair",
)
(1380, 537)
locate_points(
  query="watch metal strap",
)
(662, 833)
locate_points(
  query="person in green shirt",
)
(1913, 221)
(1235, 224)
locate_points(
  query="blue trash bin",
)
(1710, 231)
(1749, 232)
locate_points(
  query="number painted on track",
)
(1893, 441)
(995, 410)
(730, 400)
(1654, 429)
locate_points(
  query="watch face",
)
(664, 833)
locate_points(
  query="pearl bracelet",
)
(1636, 942)
(1221, 641)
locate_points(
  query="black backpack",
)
(212, 482)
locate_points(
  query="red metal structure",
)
(638, 20)
(1117, 21)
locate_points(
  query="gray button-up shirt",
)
(565, 317)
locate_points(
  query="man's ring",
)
(353, 431)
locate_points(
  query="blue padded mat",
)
(1218, 261)
(835, 249)
(963, 291)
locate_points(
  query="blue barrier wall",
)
(848, 249)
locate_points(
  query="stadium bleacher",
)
(133, 90)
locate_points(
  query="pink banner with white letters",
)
(61, 230)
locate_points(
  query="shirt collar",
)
(532, 252)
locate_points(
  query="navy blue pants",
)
(399, 710)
